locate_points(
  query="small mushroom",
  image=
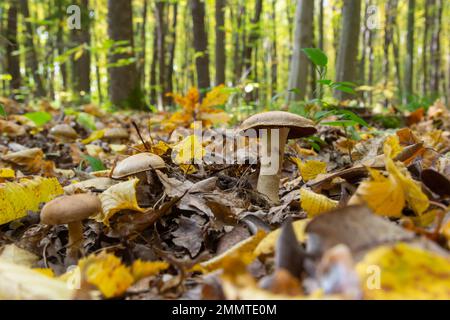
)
(137, 164)
(64, 132)
(71, 210)
(290, 126)
(115, 135)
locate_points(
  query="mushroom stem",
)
(271, 164)
(75, 239)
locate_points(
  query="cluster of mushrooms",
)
(73, 209)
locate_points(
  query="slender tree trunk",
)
(142, 60)
(237, 42)
(124, 83)
(60, 42)
(220, 42)
(160, 7)
(426, 29)
(365, 36)
(171, 49)
(274, 52)
(321, 24)
(200, 43)
(32, 63)
(408, 90)
(298, 73)
(252, 37)
(13, 60)
(82, 65)
(436, 48)
(313, 82)
(391, 8)
(348, 44)
(153, 65)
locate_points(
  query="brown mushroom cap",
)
(299, 126)
(63, 131)
(137, 163)
(116, 133)
(67, 209)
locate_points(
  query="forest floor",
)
(364, 218)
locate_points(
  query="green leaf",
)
(352, 116)
(39, 118)
(344, 88)
(317, 56)
(95, 163)
(86, 120)
(2, 111)
(340, 123)
(326, 82)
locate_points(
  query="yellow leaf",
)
(267, 245)
(118, 197)
(445, 231)
(188, 168)
(311, 168)
(405, 272)
(189, 149)
(160, 148)
(18, 198)
(95, 135)
(314, 203)
(243, 251)
(45, 271)
(118, 148)
(141, 269)
(215, 117)
(392, 146)
(7, 173)
(216, 97)
(383, 195)
(18, 282)
(107, 273)
(387, 195)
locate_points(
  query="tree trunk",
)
(408, 86)
(274, 52)
(427, 25)
(160, 7)
(252, 37)
(200, 43)
(32, 63)
(298, 74)
(142, 60)
(154, 63)
(81, 38)
(348, 44)
(237, 66)
(171, 49)
(60, 42)
(321, 24)
(220, 42)
(13, 60)
(123, 85)
(436, 48)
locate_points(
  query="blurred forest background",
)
(133, 53)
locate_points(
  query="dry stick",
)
(140, 137)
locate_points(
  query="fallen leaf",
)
(118, 197)
(405, 272)
(310, 169)
(314, 203)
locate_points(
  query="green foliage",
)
(2, 111)
(39, 117)
(95, 163)
(317, 56)
(86, 120)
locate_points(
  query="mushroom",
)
(290, 126)
(71, 210)
(64, 132)
(137, 164)
(115, 135)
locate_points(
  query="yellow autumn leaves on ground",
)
(388, 195)
(16, 198)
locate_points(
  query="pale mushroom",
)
(71, 210)
(290, 126)
(137, 164)
(115, 135)
(64, 132)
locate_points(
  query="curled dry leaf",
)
(121, 196)
(310, 169)
(314, 203)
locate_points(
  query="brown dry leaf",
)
(32, 159)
